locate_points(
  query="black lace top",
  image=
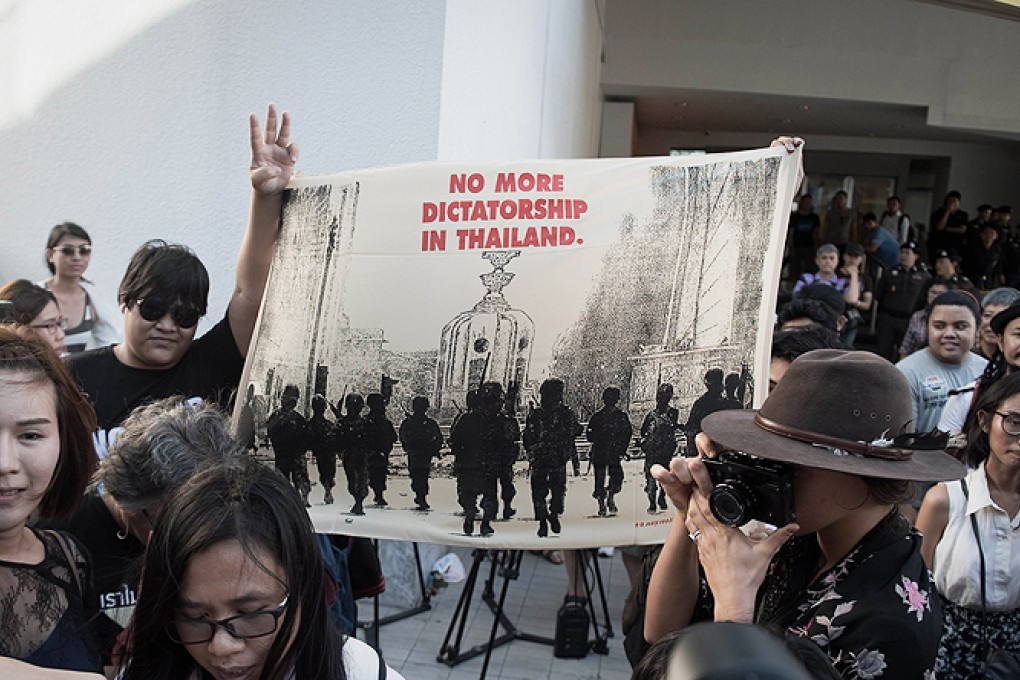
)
(45, 608)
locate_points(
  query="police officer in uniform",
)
(896, 292)
(324, 441)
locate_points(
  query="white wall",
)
(146, 135)
(521, 80)
(130, 116)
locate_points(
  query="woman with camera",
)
(972, 537)
(846, 570)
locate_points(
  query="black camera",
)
(746, 488)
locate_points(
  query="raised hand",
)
(273, 155)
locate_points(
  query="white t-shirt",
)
(957, 567)
(362, 662)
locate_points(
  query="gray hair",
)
(163, 444)
(826, 248)
(1003, 297)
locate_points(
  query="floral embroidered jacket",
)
(875, 613)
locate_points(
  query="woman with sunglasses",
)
(90, 320)
(227, 590)
(36, 308)
(972, 537)
(164, 293)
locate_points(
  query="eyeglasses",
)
(51, 327)
(69, 251)
(1010, 423)
(242, 626)
(185, 316)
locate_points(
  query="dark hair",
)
(792, 343)
(953, 194)
(23, 351)
(894, 197)
(957, 298)
(59, 232)
(824, 293)
(170, 271)
(818, 312)
(29, 299)
(869, 217)
(246, 501)
(889, 491)
(921, 301)
(987, 401)
(841, 191)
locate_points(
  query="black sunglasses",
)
(185, 316)
(68, 251)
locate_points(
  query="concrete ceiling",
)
(775, 114)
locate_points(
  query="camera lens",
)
(731, 503)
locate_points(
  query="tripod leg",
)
(459, 619)
(426, 596)
(514, 562)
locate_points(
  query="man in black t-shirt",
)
(164, 294)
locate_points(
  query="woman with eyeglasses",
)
(36, 308)
(68, 251)
(227, 592)
(972, 537)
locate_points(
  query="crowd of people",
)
(893, 488)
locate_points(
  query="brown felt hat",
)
(837, 410)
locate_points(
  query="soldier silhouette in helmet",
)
(422, 441)
(483, 439)
(549, 435)
(714, 399)
(288, 433)
(355, 448)
(324, 441)
(609, 431)
(658, 441)
(383, 437)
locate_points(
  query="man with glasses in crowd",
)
(164, 294)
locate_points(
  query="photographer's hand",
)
(735, 564)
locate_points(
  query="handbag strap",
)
(72, 566)
(981, 557)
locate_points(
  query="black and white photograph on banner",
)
(494, 355)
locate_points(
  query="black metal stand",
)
(507, 564)
(371, 628)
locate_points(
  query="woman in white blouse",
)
(973, 525)
(89, 320)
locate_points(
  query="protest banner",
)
(472, 286)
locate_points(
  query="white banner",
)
(430, 280)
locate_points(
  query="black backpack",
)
(572, 623)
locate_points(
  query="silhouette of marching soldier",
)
(422, 441)
(288, 433)
(658, 441)
(324, 441)
(549, 435)
(383, 438)
(355, 447)
(714, 399)
(483, 439)
(609, 431)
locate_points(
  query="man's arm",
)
(272, 164)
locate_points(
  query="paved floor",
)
(411, 645)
